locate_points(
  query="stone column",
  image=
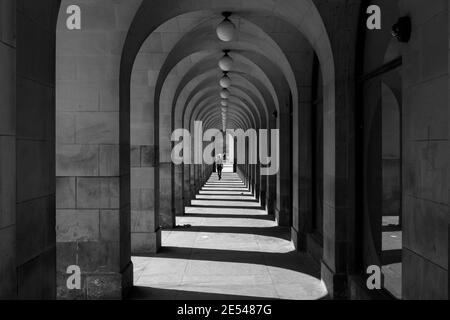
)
(166, 210)
(425, 144)
(178, 203)
(27, 146)
(8, 246)
(145, 226)
(302, 153)
(271, 194)
(145, 222)
(187, 194)
(302, 176)
(92, 154)
(284, 176)
(339, 147)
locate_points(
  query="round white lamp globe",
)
(226, 63)
(225, 82)
(226, 30)
(225, 94)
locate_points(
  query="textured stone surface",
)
(102, 193)
(27, 190)
(426, 163)
(77, 225)
(73, 160)
(171, 64)
(210, 261)
(8, 277)
(93, 186)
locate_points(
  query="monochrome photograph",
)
(223, 155)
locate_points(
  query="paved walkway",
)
(226, 247)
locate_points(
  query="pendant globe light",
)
(225, 82)
(224, 103)
(226, 62)
(225, 94)
(226, 30)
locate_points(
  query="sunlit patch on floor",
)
(229, 250)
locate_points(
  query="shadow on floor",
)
(282, 233)
(293, 260)
(207, 205)
(251, 200)
(146, 293)
(227, 250)
(230, 216)
(391, 256)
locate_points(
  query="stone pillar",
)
(178, 203)
(339, 147)
(271, 194)
(145, 226)
(263, 191)
(192, 180)
(283, 202)
(426, 145)
(145, 222)
(302, 176)
(8, 224)
(187, 192)
(302, 153)
(92, 154)
(257, 183)
(27, 146)
(166, 210)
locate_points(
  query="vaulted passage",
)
(335, 142)
(226, 247)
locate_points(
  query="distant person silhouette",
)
(219, 165)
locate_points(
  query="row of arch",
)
(139, 69)
(168, 78)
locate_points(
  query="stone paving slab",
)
(227, 249)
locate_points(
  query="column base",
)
(336, 283)
(145, 242)
(127, 279)
(299, 239)
(358, 290)
(270, 207)
(282, 218)
(179, 213)
(314, 246)
(98, 285)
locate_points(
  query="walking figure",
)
(219, 166)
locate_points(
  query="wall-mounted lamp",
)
(275, 114)
(402, 29)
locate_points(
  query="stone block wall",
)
(92, 152)
(145, 222)
(27, 188)
(145, 229)
(8, 276)
(426, 163)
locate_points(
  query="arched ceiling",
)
(175, 44)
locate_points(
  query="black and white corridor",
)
(336, 182)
